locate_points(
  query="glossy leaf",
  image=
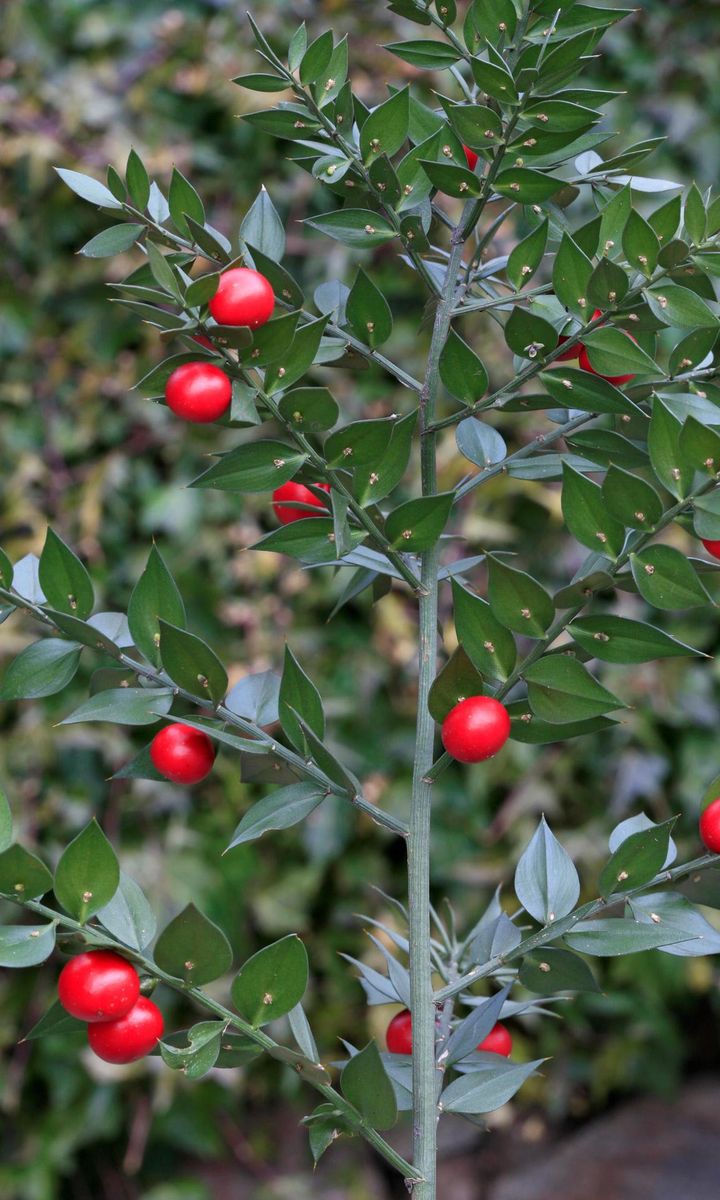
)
(561, 689)
(154, 597)
(586, 514)
(87, 875)
(461, 371)
(272, 982)
(26, 945)
(518, 601)
(23, 875)
(665, 578)
(124, 706)
(612, 936)
(253, 467)
(631, 500)
(386, 129)
(456, 680)
(63, 578)
(191, 664)
(620, 640)
(549, 970)
(298, 694)
(417, 524)
(262, 228)
(193, 948)
(637, 860)
(41, 669)
(128, 916)
(355, 227)
(487, 642)
(368, 312)
(488, 1089)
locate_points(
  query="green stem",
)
(425, 1112)
(564, 924)
(99, 937)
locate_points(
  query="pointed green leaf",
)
(665, 578)
(461, 371)
(154, 597)
(488, 643)
(417, 524)
(128, 916)
(365, 1084)
(26, 945)
(23, 875)
(637, 860)
(561, 689)
(63, 578)
(41, 669)
(272, 982)
(546, 880)
(299, 694)
(191, 664)
(87, 874)
(518, 601)
(193, 948)
(586, 514)
(278, 810)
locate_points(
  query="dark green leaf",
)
(619, 640)
(665, 578)
(201, 1052)
(366, 1085)
(586, 514)
(613, 352)
(374, 481)
(261, 226)
(253, 467)
(298, 694)
(681, 307)
(386, 128)
(571, 276)
(63, 578)
(526, 257)
(461, 370)
(184, 201)
(457, 680)
(417, 524)
(664, 445)
(526, 186)
(124, 706)
(114, 240)
(613, 936)
(546, 881)
(637, 860)
(41, 669)
(191, 664)
(316, 58)
(529, 729)
(561, 689)
(193, 949)
(433, 55)
(128, 916)
(55, 1020)
(154, 598)
(6, 822)
(136, 179)
(640, 244)
(518, 601)
(278, 810)
(23, 875)
(298, 359)
(631, 500)
(486, 1090)
(368, 312)
(475, 125)
(489, 645)
(480, 443)
(354, 227)
(311, 410)
(26, 945)
(272, 982)
(548, 971)
(311, 540)
(87, 875)
(575, 388)
(607, 285)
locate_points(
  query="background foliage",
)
(79, 83)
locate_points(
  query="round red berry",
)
(98, 986)
(498, 1041)
(198, 392)
(712, 546)
(286, 513)
(710, 827)
(471, 157)
(130, 1038)
(243, 297)
(398, 1037)
(475, 729)
(182, 754)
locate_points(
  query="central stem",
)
(425, 1074)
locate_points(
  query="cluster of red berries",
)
(103, 989)
(398, 1037)
(199, 391)
(182, 754)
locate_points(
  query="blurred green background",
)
(81, 81)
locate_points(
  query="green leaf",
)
(114, 240)
(619, 640)
(201, 290)
(571, 276)
(640, 244)
(576, 388)
(261, 83)
(298, 359)
(298, 694)
(494, 79)
(137, 182)
(55, 1021)
(518, 601)
(88, 188)
(87, 875)
(548, 971)
(272, 982)
(311, 540)
(63, 578)
(480, 443)
(666, 218)
(310, 409)
(495, 20)
(193, 949)
(386, 128)
(191, 664)
(417, 524)
(128, 916)
(201, 1052)
(184, 201)
(529, 729)
(374, 481)
(561, 689)
(606, 447)
(475, 125)
(278, 810)
(461, 371)
(526, 257)
(631, 500)
(434, 56)
(365, 1084)
(706, 522)
(261, 226)
(124, 706)
(637, 860)
(546, 881)
(613, 352)
(330, 766)
(607, 285)
(665, 578)
(529, 335)
(316, 58)
(6, 822)
(488, 644)
(284, 286)
(256, 697)
(6, 570)
(253, 467)
(23, 875)
(586, 514)
(163, 273)
(681, 307)
(41, 669)
(663, 444)
(26, 945)
(368, 312)
(154, 598)
(691, 350)
(355, 227)
(526, 186)
(456, 680)
(488, 1089)
(613, 936)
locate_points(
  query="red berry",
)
(130, 1038)
(182, 754)
(398, 1037)
(243, 297)
(568, 354)
(498, 1041)
(471, 157)
(198, 392)
(712, 547)
(586, 365)
(475, 729)
(285, 513)
(710, 827)
(98, 986)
